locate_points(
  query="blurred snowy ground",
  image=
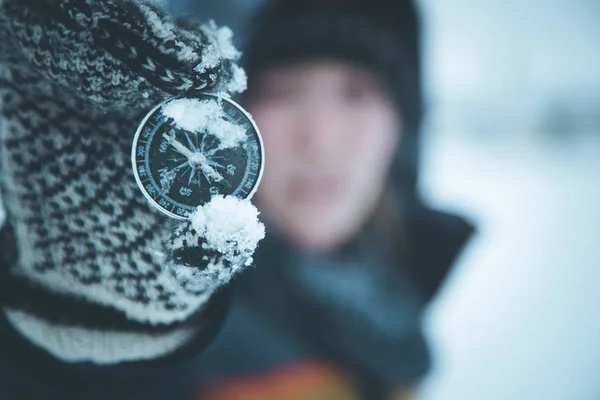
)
(513, 140)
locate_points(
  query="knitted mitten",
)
(91, 256)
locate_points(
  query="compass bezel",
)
(151, 113)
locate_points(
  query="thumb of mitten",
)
(217, 242)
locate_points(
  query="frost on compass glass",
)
(188, 150)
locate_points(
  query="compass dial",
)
(187, 150)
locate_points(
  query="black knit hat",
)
(382, 35)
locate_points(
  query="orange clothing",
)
(303, 381)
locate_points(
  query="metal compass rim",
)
(151, 113)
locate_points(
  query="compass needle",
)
(177, 145)
(216, 165)
(225, 183)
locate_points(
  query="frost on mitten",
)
(118, 53)
(217, 242)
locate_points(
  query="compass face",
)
(187, 150)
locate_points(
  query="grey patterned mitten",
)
(98, 274)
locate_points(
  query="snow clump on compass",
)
(229, 226)
(204, 115)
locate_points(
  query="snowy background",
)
(512, 140)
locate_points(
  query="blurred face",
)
(330, 132)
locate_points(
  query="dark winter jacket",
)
(352, 323)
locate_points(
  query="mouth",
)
(315, 189)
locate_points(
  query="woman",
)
(351, 255)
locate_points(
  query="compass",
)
(186, 151)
